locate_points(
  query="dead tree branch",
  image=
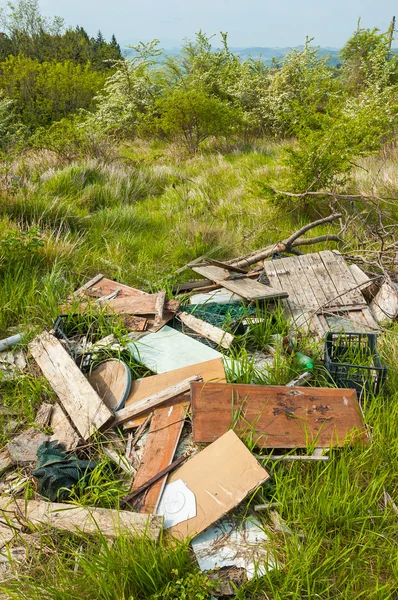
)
(290, 244)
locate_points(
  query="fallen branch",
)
(290, 244)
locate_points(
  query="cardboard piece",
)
(220, 477)
(211, 370)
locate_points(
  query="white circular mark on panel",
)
(174, 502)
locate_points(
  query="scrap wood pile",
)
(178, 432)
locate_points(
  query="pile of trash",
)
(178, 431)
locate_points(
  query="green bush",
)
(191, 116)
(49, 91)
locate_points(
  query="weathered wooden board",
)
(150, 402)
(211, 370)
(104, 287)
(219, 477)
(109, 523)
(206, 330)
(43, 415)
(384, 305)
(169, 349)
(164, 433)
(82, 403)
(137, 305)
(5, 460)
(242, 286)
(63, 431)
(23, 448)
(281, 417)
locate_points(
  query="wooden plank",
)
(208, 331)
(281, 417)
(216, 274)
(43, 415)
(300, 314)
(63, 431)
(23, 448)
(150, 402)
(67, 517)
(219, 478)
(169, 349)
(82, 403)
(243, 286)
(142, 305)
(86, 286)
(160, 307)
(342, 278)
(164, 433)
(253, 290)
(324, 281)
(368, 288)
(107, 286)
(384, 305)
(6, 462)
(211, 370)
(223, 265)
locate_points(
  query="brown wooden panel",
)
(165, 430)
(282, 417)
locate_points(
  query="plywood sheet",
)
(279, 416)
(164, 433)
(212, 370)
(220, 477)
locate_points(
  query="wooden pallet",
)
(323, 293)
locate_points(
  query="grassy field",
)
(137, 216)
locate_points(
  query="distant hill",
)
(267, 54)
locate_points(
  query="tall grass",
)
(137, 220)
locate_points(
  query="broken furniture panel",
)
(277, 416)
(239, 284)
(67, 517)
(211, 370)
(82, 403)
(209, 485)
(163, 436)
(169, 349)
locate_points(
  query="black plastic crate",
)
(340, 350)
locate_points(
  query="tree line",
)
(61, 89)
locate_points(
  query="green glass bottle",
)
(301, 361)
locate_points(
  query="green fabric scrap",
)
(57, 472)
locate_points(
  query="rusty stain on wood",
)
(278, 416)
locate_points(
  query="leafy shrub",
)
(48, 91)
(192, 116)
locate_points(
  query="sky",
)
(266, 23)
